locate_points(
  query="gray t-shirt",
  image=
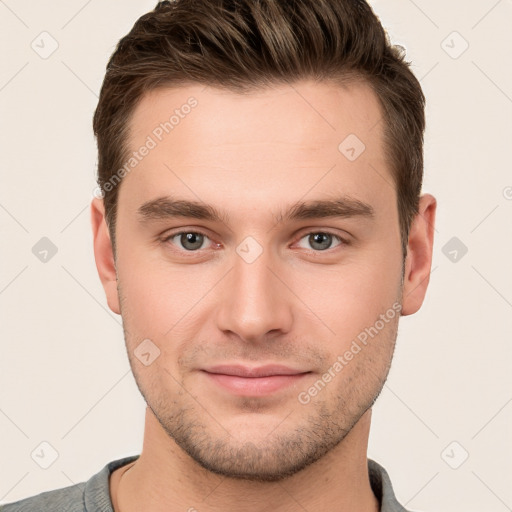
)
(94, 495)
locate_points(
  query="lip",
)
(254, 381)
(268, 370)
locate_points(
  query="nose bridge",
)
(255, 300)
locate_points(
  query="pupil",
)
(191, 238)
(318, 238)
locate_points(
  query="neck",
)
(164, 477)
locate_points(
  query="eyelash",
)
(342, 241)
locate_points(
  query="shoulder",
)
(383, 489)
(90, 496)
(68, 499)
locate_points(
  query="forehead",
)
(282, 140)
(307, 112)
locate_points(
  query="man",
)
(260, 231)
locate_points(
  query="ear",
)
(419, 256)
(104, 255)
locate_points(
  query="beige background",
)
(64, 373)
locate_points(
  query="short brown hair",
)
(243, 45)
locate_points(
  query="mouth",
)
(254, 381)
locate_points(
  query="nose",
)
(255, 302)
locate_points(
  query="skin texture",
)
(252, 156)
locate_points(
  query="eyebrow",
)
(167, 207)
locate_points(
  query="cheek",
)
(160, 299)
(143, 301)
(354, 294)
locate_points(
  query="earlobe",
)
(104, 255)
(419, 256)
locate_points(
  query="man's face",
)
(256, 288)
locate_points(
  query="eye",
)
(190, 241)
(321, 240)
(194, 241)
